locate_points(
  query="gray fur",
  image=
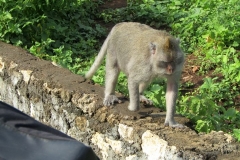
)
(142, 53)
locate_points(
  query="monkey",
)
(142, 53)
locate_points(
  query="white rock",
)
(116, 145)
(99, 140)
(1, 65)
(229, 138)
(26, 75)
(126, 133)
(132, 157)
(157, 149)
(153, 146)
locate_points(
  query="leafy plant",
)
(156, 92)
(236, 133)
(61, 31)
(205, 112)
(150, 12)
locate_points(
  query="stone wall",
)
(67, 102)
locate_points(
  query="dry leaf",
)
(195, 68)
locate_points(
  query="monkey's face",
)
(167, 55)
(166, 67)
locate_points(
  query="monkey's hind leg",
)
(112, 72)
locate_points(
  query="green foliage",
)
(236, 133)
(150, 12)
(122, 85)
(98, 77)
(61, 31)
(200, 109)
(224, 91)
(208, 21)
(207, 115)
(156, 92)
(209, 29)
(203, 109)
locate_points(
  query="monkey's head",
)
(166, 55)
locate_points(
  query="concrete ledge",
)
(66, 102)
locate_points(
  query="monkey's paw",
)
(143, 99)
(175, 125)
(110, 100)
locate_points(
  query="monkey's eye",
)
(162, 64)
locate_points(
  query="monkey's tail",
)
(98, 59)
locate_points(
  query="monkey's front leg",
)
(133, 89)
(142, 98)
(171, 97)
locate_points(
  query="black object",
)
(23, 138)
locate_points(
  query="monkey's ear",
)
(152, 48)
(167, 43)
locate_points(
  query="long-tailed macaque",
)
(142, 53)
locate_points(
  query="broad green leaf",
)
(230, 113)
